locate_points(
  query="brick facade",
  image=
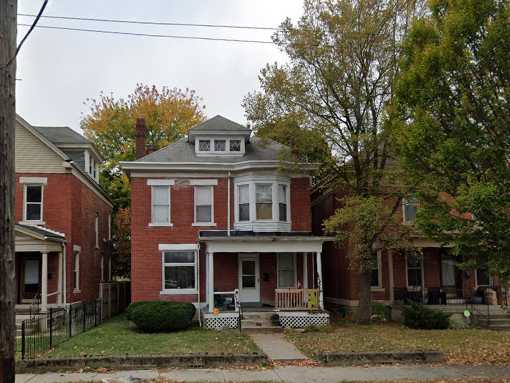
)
(70, 207)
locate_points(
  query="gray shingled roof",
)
(183, 151)
(40, 231)
(61, 135)
(218, 123)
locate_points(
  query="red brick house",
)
(216, 216)
(427, 274)
(63, 217)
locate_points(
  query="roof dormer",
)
(219, 136)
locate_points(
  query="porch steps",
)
(494, 321)
(259, 322)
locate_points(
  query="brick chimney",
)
(140, 137)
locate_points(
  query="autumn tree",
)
(342, 61)
(453, 95)
(110, 124)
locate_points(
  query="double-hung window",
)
(286, 270)
(96, 229)
(264, 201)
(414, 270)
(204, 204)
(160, 205)
(179, 270)
(375, 281)
(33, 203)
(282, 202)
(244, 202)
(409, 208)
(76, 271)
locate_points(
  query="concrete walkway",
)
(276, 347)
(282, 374)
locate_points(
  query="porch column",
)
(59, 278)
(318, 256)
(305, 270)
(44, 281)
(210, 281)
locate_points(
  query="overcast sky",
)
(59, 70)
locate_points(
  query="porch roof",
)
(270, 242)
(40, 232)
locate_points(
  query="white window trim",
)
(404, 218)
(33, 221)
(96, 228)
(178, 247)
(160, 182)
(278, 270)
(253, 200)
(415, 288)
(221, 138)
(379, 287)
(161, 224)
(33, 180)
(76, 270)
(195, 222)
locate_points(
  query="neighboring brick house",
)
(216, 212)
(63, 218)
(426, 273)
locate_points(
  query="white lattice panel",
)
(303, 319)
(221, 321)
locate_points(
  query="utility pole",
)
(8, 10)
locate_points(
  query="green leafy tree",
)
(342, 61)
(454, 136)
(110, 124)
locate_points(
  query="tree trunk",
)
(8, 9)
(365, 298)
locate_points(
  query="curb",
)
(356, 358)
(137, 362)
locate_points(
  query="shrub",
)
(381, 312)
(132, 307)
(420, 317)
(159, 316)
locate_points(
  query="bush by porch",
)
(468, 346)
(119, 337)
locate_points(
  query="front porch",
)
(253, 275)
(39, 269)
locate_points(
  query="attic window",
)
(204, 145)
(219, 145)
(235, 145)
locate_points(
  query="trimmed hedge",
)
(159, 316)
(420, 317)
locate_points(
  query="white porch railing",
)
(297, 299)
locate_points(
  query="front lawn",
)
(471, 346)
(119, 337)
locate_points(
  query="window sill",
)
(178, 292)
(160, 224)
(76, 291)
(25, 222)
(209, 224)
(377, 289)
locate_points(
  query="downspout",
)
(228, 202)
(198, 287)
(64, 270)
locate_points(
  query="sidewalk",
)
(281, 374)
(276, 347)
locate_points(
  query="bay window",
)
(203, 204)
(282, 202)
(264, 201)
(179, 270)
(244, 202)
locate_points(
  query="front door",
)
(31, 278)
(249, 282)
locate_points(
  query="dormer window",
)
(235, 145)
(219, 145)
(204, 145)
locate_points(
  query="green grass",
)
(119, 337)
(460, 346)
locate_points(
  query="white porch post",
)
(210, 281)
(305, 270)
(44, 282)
(59, 278)
(319, 279)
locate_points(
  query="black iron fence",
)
(43, 331)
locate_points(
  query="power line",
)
(142, 22)
(149, 34)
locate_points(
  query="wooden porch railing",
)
(300, 299)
